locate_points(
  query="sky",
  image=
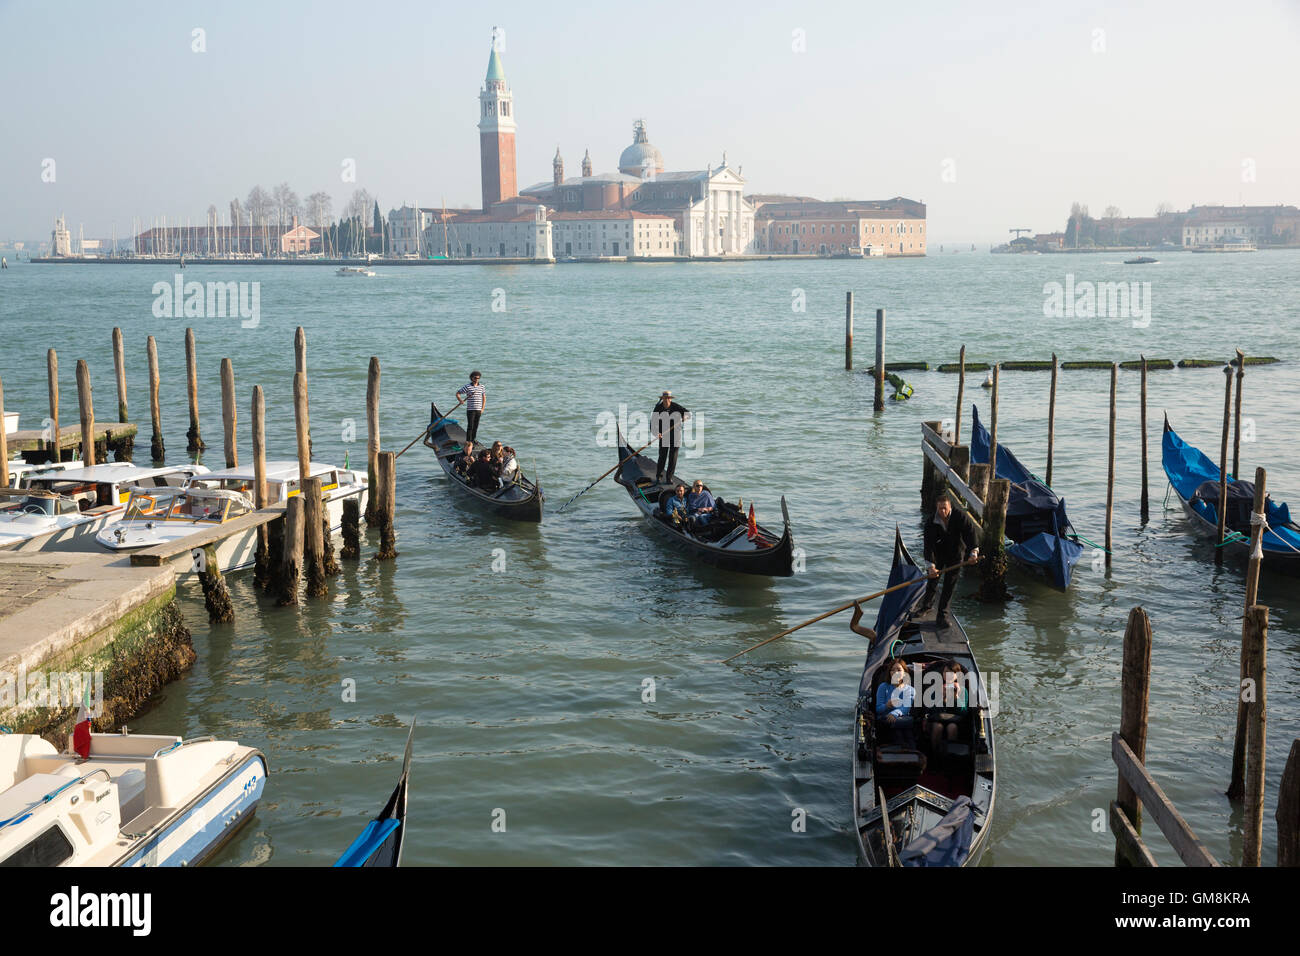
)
(998, 115)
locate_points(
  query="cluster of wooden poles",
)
(293, 543)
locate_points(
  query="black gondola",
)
(520, 500)
(939, 804)
(380, 843)
(725, 542)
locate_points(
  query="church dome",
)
(641, 157)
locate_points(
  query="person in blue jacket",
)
(894, 700)
(675, 507)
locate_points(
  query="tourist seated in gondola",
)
(894, 701)
(465, 460)
(942, 725)
(509, 467)
(700, 505)
(676, 509)
(481, 474)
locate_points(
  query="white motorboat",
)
(220, 497)
(21, 472)
(63, 510)
(11, 422)
(137, 800)
(354, 271)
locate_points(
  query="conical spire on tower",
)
(557, 167)
(586, 163)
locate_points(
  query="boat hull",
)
(79, 536)
(208, 822)
(741, 557)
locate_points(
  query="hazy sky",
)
(996, 114)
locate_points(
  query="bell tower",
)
(496, 133)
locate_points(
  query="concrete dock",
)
(89, 614)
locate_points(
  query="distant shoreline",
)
(640, 260)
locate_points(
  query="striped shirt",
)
(475, 397)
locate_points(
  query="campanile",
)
(496, 134)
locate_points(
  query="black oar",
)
(842, 607)
(604, 476)
(426, 430)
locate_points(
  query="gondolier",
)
(948, 536)
(475, 396)
(666, 422)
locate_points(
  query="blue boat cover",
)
(371, 839)
(1036, 518)
(1187, 468)
(948, 842)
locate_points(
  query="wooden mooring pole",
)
(52, 370)
(261, 561)
(993, 553)
(1136, 689)
(300, 365)
(312, 544)
(961, 395)
(313, 540)
(1237, 776)
(87, 408)
(229, 416)
(372, 437)
(879, 402)
(1223, 463)
(125, 449)
(216, 597)
(1236, 426)
(1288, 810)
(1146, 513)
(1256, 656)
(1110, 463)
(156, 450)
(993, 424)
(387, 474)
(351, 528)
(930, 480)
(291, 550)
(194, 440)
(1051, 421)
(848, 331)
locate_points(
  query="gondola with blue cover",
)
(1195, 479)
(380, 843)
(937, 805)
(1041, 534)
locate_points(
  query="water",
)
(528, 682)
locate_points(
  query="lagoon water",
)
(528, 681)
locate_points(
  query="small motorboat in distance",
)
(728, 541)
(63, 510)
(1040, 530)
(1195, 479)
(380, 843)
(1140, 261)
(136, 800)
(519, 499)
(938, 805)
(354, 271)
(155, 517)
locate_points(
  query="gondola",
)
(726, 542)
(1041, 534)
(520, 500)
(939, 805)
(1195, 479)
(380, 843)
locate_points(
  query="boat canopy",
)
(895, 606)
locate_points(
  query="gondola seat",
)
(898, 767)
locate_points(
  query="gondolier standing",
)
(666, 421)
(948, 535)
(475, 396)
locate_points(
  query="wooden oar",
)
(426, 431)
(604, 476)
(842, 607)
